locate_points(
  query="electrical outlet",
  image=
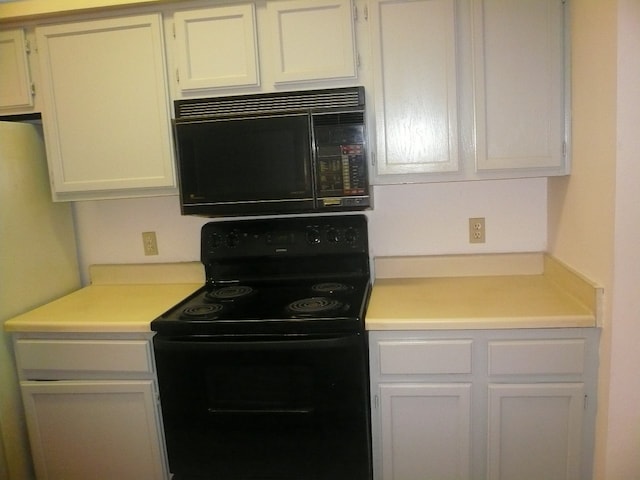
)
(477, 230)
(149, 242)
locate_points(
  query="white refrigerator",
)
(38, 263)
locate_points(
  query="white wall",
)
(407, 220)
(594, 216)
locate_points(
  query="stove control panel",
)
(291, 236)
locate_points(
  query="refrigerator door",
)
(38, 263)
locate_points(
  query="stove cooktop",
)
(307, 306)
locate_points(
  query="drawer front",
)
(537, 357)
(425, 357)
(38, 356)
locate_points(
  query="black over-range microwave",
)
(285, 152)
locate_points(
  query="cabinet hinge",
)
(376, 401)
(355, 12)
(366, 12)
(373, 158)
(178, 75)
(585, 401)
(358, 59)
(33, 89)
(27, 47)
(173, 28)
(564, 149)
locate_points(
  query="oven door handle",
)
(251, 342)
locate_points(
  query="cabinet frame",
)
(107, 376)
(195, 70)
(15, 71)
(562, 365)
(107, 119)
(292, 44)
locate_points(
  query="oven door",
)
(294, 407)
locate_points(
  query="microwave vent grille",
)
(271, 103)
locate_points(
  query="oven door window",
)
(266, 410)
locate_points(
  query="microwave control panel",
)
(341, 161)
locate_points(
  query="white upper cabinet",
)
(414, 57)
(216, 47)
(15, 77)
(105, 108)
(469, 89)
(519, 84)
(311, 40)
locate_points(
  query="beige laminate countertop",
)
(120, 299)
(505, 291)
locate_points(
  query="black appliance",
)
(263, 373)
(285, 152)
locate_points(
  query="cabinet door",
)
(94, 429)
(106, 109)
(312, 39)
(519, 84)
(414, 56)
(216, 47)
(425, 431)
(15, 79)
(535, 431)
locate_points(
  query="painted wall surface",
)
(594, 216)
(407, 220)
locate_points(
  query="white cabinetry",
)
(216, 47)
(519, 84)
(92, 407)
(469, 89)
(15, 76)
(483, 404)
(247, 47)
(311, 39)
(414, 55)
(105, 108)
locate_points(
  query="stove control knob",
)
(333, 236)
(233, 239)
(214, 241)
(351, 235)
(313, 235)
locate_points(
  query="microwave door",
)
(246, 165)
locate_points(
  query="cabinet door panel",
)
(217, 47)
(535, 431)
(312, 39)
(426, 430)
(15, 79)
(519, 83)
(414, 51)
(98, 430)
(106, 117)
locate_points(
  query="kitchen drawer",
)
(425, 357)
(537, 357)
(48, 358)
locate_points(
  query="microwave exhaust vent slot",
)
(270, 103)
(340, 118)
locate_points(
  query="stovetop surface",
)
(279, 275)
(295, 306)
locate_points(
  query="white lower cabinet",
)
(535, 431)
(92, 408)
(426, 430)
(483, 404)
